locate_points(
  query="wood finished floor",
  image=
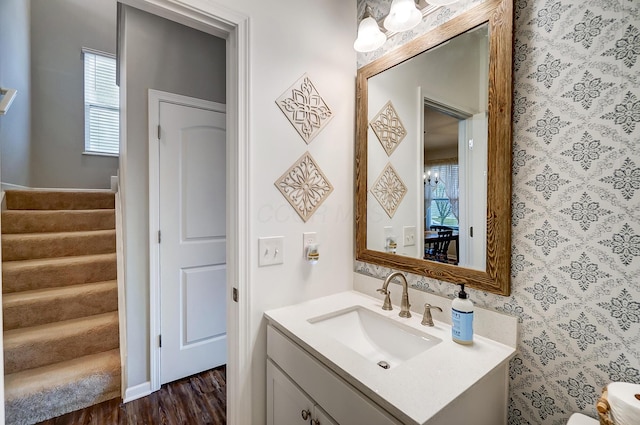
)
(198, 399)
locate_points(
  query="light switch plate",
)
(270, 251)
(409, 235)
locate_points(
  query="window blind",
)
(101, 104)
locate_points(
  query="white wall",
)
(288, 39)
(60, 28)
(14, 73)
(162, 55)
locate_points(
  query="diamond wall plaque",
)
(388, 128)
(304, 186)
(304, 108)
(389, 190)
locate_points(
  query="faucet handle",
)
(427, 320)
(387, 299)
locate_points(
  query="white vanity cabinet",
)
(288, 404)
(309, 385)
(312, 367)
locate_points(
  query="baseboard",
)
(10, 186)
(138, 391)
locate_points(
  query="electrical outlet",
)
(308, 238)
(409, 235)
(270, 251)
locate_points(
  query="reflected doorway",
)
(444, 128)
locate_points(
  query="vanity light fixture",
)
(369, 35)
(403, 16)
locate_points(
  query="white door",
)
(193, 239)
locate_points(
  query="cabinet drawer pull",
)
(315, 422)
(305, 414)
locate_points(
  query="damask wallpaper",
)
(576, 202)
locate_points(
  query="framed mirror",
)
(433, 156)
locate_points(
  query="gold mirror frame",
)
(496, 276)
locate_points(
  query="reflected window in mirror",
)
(441, 197)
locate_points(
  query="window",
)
(101, 104)
(441, 210)
(441, 199)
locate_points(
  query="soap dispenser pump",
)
(462, 318)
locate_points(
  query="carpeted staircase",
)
(60, 302)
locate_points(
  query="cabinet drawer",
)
(344, 403)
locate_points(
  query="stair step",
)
(59, 200)
(34, 221)
(41, 306)
(23, 246)
(38, 346)
(27, 275)
(36, 395)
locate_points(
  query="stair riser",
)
(57, 275)
(47, 247)
(46, 351)
(37, 395)
(43, 406)
(48, 310)
(56, 221)
(51, 200)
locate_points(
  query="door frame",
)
(232, 26)
(155, 292)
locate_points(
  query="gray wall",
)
(162, 55)
(59, 30)
(14, 73)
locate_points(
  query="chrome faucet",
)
(404, 305)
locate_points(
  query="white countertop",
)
(413, 391)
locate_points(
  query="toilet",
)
(580, 419)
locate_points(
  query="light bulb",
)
(369, 36)
(403, 16)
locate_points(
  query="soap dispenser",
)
(462, 318)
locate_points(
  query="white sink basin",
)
(377, 338)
